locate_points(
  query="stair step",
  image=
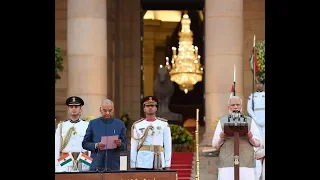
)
(184, 171)
(184, 178)
(183, 163)
(181, 166)
(184, 175)
(187, 155)
(181, 158)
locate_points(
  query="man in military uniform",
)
(256, 106)
(150, 139)
(256, 109)
(246, 145)
(70, 133)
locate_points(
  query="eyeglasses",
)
(107, 110)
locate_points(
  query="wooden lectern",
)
(236, 127)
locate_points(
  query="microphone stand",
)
(106, 160)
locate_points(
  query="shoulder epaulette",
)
(162, 119)
(132, 127)
(138, 121)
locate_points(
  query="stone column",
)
(149, 43)
(223, 50)
(87, 53)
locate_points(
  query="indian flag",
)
(65, 159)
(232, 91)
(84, 159)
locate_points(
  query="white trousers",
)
(228, 173)
(258, 169)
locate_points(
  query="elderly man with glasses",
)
(105, 156)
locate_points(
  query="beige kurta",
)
(261, 154)
(227, 173)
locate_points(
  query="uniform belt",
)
(64, 153)
(152, 148)
(259, 109)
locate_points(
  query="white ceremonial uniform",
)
(258, 114)
(227, 173)
(74, 144)
(160, 135)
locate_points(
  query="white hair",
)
(234, 97)
(107, 102)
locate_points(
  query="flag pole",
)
(234, 80)
(254, 69)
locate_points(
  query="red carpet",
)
(182, 162)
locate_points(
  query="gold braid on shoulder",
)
(143, 137)
(64, 142)
(162, 119)
(132, 129)
(144, 134)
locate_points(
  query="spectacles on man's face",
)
(235, 105)
(107, 110)
(150, 106)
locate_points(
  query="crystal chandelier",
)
(185, 68)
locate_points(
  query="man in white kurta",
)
(260, 155)
(69, 134)
(256, 110)
(150, 140)
(226, 147)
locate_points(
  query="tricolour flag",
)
(65, 159)
(254, 61)
(232, 91)
(84, 159)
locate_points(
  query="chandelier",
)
(185, 68)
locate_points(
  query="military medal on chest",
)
(152, 129)
(158, 129)
(74, 131)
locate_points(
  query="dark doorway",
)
(182, 103)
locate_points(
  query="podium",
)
(236, 127)
(119, 175)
